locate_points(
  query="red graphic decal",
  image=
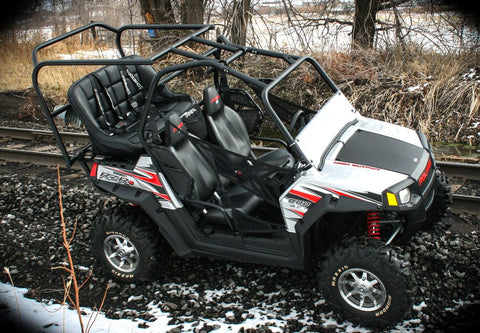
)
(216, 98)
(152, 179)
(93, 172)
(310, 197)
(298, 212)
(164, 196)
(357, 165)
(178, 127)
(343, 194)
(425, 172)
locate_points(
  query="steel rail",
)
(34, 157)
(465, 203)
(39, 135)
(461, 203)
(461, 170)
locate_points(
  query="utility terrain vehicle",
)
(176, 136)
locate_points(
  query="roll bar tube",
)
(266, 101)
(198, 60)
(200, 29)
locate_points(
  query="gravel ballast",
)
(194, 291)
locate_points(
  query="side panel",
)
(140, 184)
(310, 197)
(142, 177)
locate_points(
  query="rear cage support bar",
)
(193, 60)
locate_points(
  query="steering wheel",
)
(299, 115)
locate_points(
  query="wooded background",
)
(414, 63)
(368, 23)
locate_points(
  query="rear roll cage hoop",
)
(196, 60)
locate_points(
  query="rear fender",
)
(154, 202)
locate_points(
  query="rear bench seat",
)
(100, 112)
(111, 114)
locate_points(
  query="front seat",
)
(229, 131)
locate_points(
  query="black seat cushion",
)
(188, 170)
(230, 132)
(191, 174)
(226, 126)
(82, 98)
(189, 111)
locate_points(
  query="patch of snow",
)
(51, 317)
(418, 87)
(420, 306)
(135, 298)
(319, 302)
(104, 54)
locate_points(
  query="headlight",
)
(404, 195)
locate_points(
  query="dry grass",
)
(425, 91)
(16, 68)
(417, 89)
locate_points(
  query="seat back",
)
(226, 126)
(109, 101)
(188, 171)
(102, 111)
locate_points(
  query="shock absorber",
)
(373, 225)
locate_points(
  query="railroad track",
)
(39, 147)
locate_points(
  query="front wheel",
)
(441, 202)
(367, 285)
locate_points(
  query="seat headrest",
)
(175, 131)
(212, 102)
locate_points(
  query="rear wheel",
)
(126, 243)
(367, 285)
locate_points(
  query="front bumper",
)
(415, 218)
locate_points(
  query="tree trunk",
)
(240, 17)
(364, 23)
(192, 11)
(160, 10)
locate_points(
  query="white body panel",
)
(318, 134)
(321, 140)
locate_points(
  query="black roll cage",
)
(166, 74)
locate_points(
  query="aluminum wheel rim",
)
(362, 289)
(121, 253)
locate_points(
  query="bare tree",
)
(192, 11)
(240, 16)
(161, 11)
(366, 17)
